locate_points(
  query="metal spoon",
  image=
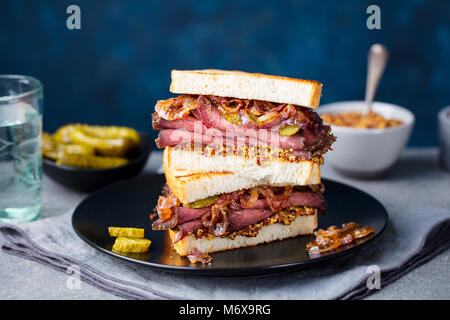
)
(377, 60)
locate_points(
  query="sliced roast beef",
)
(256, 137)
(242, 218)
(181, 113)
(313, 134)
(187, 227)
(166, 224)
(188, 214)
(174, 137)
(297, 199)
(260, 206)
(237, 220)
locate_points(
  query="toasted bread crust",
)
(243, 85)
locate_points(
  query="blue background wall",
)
(114, 69)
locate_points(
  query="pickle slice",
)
(106, 140)
(202, 202)
(126, 232)
(112, 132)
(78, 149)
(64, 133)
(232, 117)
(50, 148)
(91, 162)
(129, 244)
(109, 147)
(289, 130)
(253, 117)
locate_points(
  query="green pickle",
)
(116, 147)
(202, 202)
(64, 133)
(91, 162)
(253, 117)
(78, 149)
(126, 232)
(130, 244)
(289, 130)
(113, 132)
(106, 140)
(86, 146)
(232, 117)
(50, 148)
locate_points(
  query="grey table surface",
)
(415, 178)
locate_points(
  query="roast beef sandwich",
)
(242, 156)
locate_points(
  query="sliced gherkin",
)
(108, 147)
(91, 162)
(253, 117)
(232, 117)
(50, 148)
(112, 132)
(126, 232)
(64, 133)
(130, 244)
(202, 202)
(106, 140)
(289, 130)
(78, 149)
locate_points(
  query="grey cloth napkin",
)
(413, 236)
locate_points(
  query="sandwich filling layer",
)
(242, 212)
(228, 123)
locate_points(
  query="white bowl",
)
(444, 137)
(367, 153)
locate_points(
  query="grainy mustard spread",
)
(285, 217)
(259, 154)
(358, 120)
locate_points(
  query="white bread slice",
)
(192, 176)
(243, 85)
(302, 225)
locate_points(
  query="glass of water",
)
(21, 101)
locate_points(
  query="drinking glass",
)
(21, 102)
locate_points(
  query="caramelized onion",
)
(219, 220)
(254, 195)
(165, 206)
(207, 220)
(283, 198)
(270, 197)
(176, 108)
(204, 110)
(216, 220)
(259, 107)
(221, 226)
(334, 237)
(275, 203)
(167, 218)
(229, 105)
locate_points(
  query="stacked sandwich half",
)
(242, 156)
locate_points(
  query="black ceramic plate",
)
(129, 204)
(88, 180)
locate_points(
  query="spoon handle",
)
(377, 59)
